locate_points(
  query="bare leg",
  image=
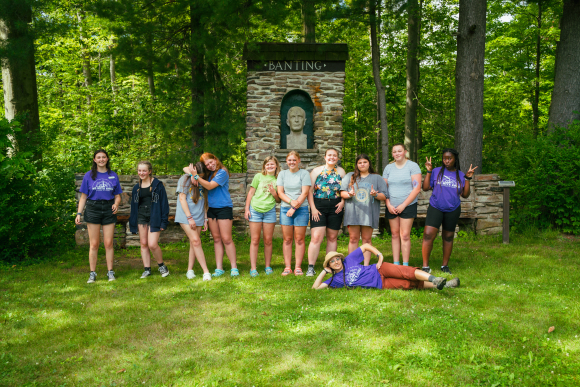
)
(225, 226)
(422, 276)
(316, 237)
(255, 232)
(367, 237)
(217, 243)
(154, 246)
(447, 245)
(406, 225)
(353, 238)
(395, 225)
(331, 240)
(299, 234)
(429, 235)
(144, 242)
(195, 249)
(94, 242)
(288, 235)
(108, 236)
(268, 235)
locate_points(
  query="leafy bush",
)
(36, 207)
(547, 191)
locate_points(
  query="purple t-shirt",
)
(105, 187)
(445, 195)
(356, 274)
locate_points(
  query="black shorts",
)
(144, 216)
(100, 212)
(328, 216)
(410, 212)
(220, 213)
(449, 219)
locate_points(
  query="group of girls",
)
(326, 198)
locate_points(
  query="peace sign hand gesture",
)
(373, 192)
(471, 171)
(428, 164)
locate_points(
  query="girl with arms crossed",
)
(362, 191)
(101, 193)
(448, 184)
(149, 216)
(403, 178)
(326, 207)
(191, 214)
(261, 212)
(293, 186)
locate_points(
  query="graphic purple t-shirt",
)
(445, 195)
(105, 187)
(356, 274)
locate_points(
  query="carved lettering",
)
(317, 65)
(287, 65)
(279, 65)
(309, 64)
(272, 66)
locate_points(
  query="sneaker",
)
(111, 275)
(163, 270)
(206, 276)
(191, 275)
(454, 283)
(310, 272)
(92, 277)
(426, 269)
(445, 269)
(439, 282)
(146, 273)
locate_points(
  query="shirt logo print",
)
(449, 182)
(352, 276)
(102, 185)
(361, 195)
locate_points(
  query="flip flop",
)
(287, 271)
(298, 271)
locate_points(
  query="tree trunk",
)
(150, 78)
(309, 21)
(382, 103)
(112, 70)
(19, 76)
(566, 92)
(536, 100)
(469, 73)
(85, 55)
(413, 36)
(197, 90)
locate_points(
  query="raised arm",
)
(468, 176)
(368, 247)
(427, 181)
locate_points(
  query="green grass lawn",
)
(277, 331)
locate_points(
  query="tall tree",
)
(309, 21)
(469, 72)
(19, 72)
(565, 105)
(413, 39)
(536, 96)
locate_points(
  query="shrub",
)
(36, 207)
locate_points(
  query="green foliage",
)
(547, 191)
(36, 206)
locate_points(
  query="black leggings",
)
(436, 217)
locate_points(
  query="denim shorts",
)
(299, 219)
(263, 217)
(100, 212)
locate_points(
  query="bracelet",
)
(190, 217)
(196, 177)
(428, 172)
(190, 175)
(468, 178)
(79, 213)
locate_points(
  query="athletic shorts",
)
(298, 219)
(220, 213)
(328, 216)
(100, 212)
(263, 217)
(410, 212)
(435, 218)
(144, 215)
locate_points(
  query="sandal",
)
(287, 271)
(298, 271)
(234, 273)
(268, 270)
(254, 273)
(218, 272)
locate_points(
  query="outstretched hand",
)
(471, 171)
(428, 164)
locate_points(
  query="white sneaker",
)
(190, 274)
(92, 277)
(111, 275)
(207, 276)
(146, 273)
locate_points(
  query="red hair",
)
(218, 164)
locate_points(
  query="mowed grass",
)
(276, 331)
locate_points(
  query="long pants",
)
(399, 277)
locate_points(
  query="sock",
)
(405, 263)
(431, 278)
(311, 266)
(396, 263)
(148, 268)
(442, 267)
(161, 264)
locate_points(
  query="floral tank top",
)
(327, 185)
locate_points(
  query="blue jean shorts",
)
(263, 217)
(299, 219)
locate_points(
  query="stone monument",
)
(296, 120)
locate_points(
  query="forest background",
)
(165, 80)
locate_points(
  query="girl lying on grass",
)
(348, 271)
